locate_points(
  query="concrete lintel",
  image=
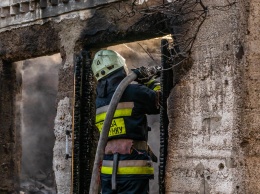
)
(52, 11)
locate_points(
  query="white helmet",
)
(106, 62)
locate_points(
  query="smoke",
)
(39, 91)
(140, 53)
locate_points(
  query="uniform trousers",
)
(127, 184)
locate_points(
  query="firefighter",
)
(127, 163)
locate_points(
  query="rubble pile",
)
(40, 183)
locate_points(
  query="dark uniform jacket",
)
(129, 120)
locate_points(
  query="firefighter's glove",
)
(145, 74)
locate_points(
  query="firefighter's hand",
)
(144, 74)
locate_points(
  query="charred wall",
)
(29, 42)
(66, 36)
(10, 147)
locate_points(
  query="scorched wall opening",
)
(38, 110)
(137, 54)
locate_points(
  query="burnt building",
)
(212, 140)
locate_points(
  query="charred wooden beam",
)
(146, 27)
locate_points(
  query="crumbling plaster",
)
(62, 166)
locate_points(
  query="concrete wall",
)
(251, 111)
(213, 136)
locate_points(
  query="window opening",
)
(37, 108)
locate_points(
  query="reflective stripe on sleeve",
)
(118, 113)
(121, 105)
(128, 170)
(128, 163)
(157, 88)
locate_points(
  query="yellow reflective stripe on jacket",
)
(149, 82)
(128, 170)
(157, 88)
(124, 109)
(121, 105)
(118, 113)
(152, 85)
(117, 127)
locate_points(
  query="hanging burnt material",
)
(183, 19)
(84, 124)
(76, 125)
(166, 86)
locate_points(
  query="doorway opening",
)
(37, 105)
(146, 53)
